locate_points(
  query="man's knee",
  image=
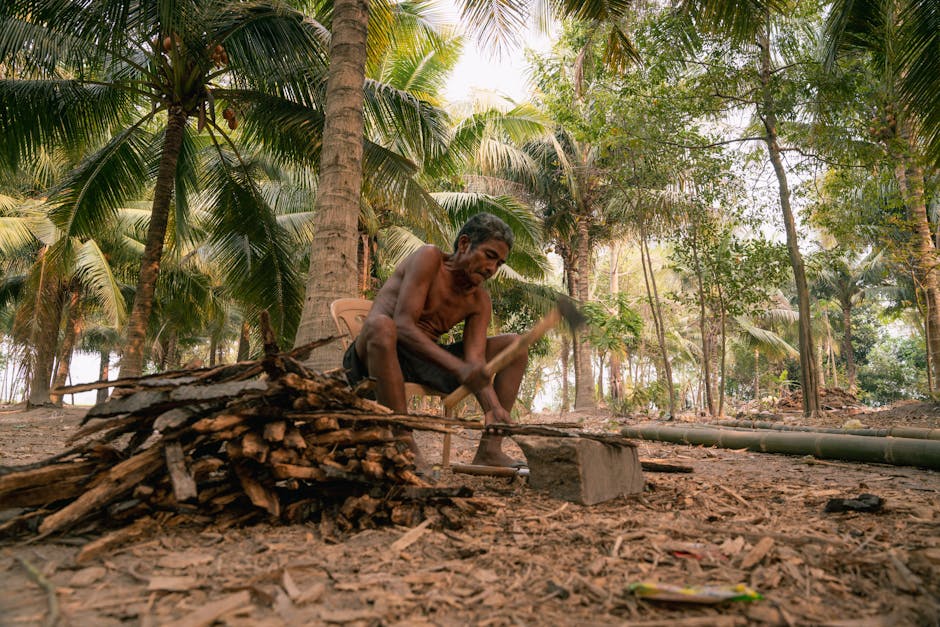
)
(501, 342)
(380, 332)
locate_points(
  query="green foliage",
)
(895, 369)
(613, 325)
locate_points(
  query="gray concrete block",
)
(581, 470)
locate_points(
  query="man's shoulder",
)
(427, 254)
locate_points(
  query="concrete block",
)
(581, 470)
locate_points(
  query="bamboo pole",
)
(920, 433)
(897, 451)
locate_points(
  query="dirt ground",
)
(525, 558)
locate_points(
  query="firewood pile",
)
(267, 439)
(829, 398)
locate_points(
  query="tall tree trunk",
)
(723, 339)
(44, 346)
(132, 359)
(615, 367)
(847, 349)
(333, 264)
(910, 178)
(565, 387)
(756, 375)
(706, 335)
(580, 290)
(652, 294)
(365, 263)
(73, 324)
(808, 376)
(104, 365)
(244, 342)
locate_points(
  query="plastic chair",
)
(349, 314)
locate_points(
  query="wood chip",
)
(209, 613)
(756, 554)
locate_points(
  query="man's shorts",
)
(414, 368)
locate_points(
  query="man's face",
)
(483, 260)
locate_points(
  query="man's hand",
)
(473, 376)
(496, 415)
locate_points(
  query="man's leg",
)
(377, 346)
(506, 384)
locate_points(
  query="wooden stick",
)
(46, 585)
(507, 355)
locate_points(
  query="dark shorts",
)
(414, 368)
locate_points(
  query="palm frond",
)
(92, 267)
(249, 247)
(44, 114)
(766, 341)
(90, 195)
(16, 233)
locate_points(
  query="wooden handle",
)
(506, 356)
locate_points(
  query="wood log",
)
(260, 496)
(294, 439)
(343, 437)
(37, 477)
(897, 451)
(114, 539)
(275, 431)
(288, 471)
(219, 422)
(254, 446)
(184, 485)
(117, 481)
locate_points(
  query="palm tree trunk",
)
(756, 374)
(44, 348)
(847, 346)
(244, 342)
(910, 178)
(132, 359)
(580, 290)
(565, 388)
(333, 250)
(73, 324)
(808, 378)
(104, 365)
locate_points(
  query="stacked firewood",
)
(829, 398)
(267, 439)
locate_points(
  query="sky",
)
(482, 71)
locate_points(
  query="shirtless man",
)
(428, 294)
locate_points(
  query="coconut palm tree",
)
(334, 247)
(902, 44)
(127, 78)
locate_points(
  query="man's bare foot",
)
(490, 453)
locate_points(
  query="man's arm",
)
(474, 346)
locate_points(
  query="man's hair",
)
(483, 226)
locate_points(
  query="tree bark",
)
(704, 331)
(44, 348)
(104, 365)
(910, 179)
(132, 359)
(652, 293)
(581, 271)
(244, 342)
(847, 349)
(333, 263)
(73, 324)
(767, 112)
